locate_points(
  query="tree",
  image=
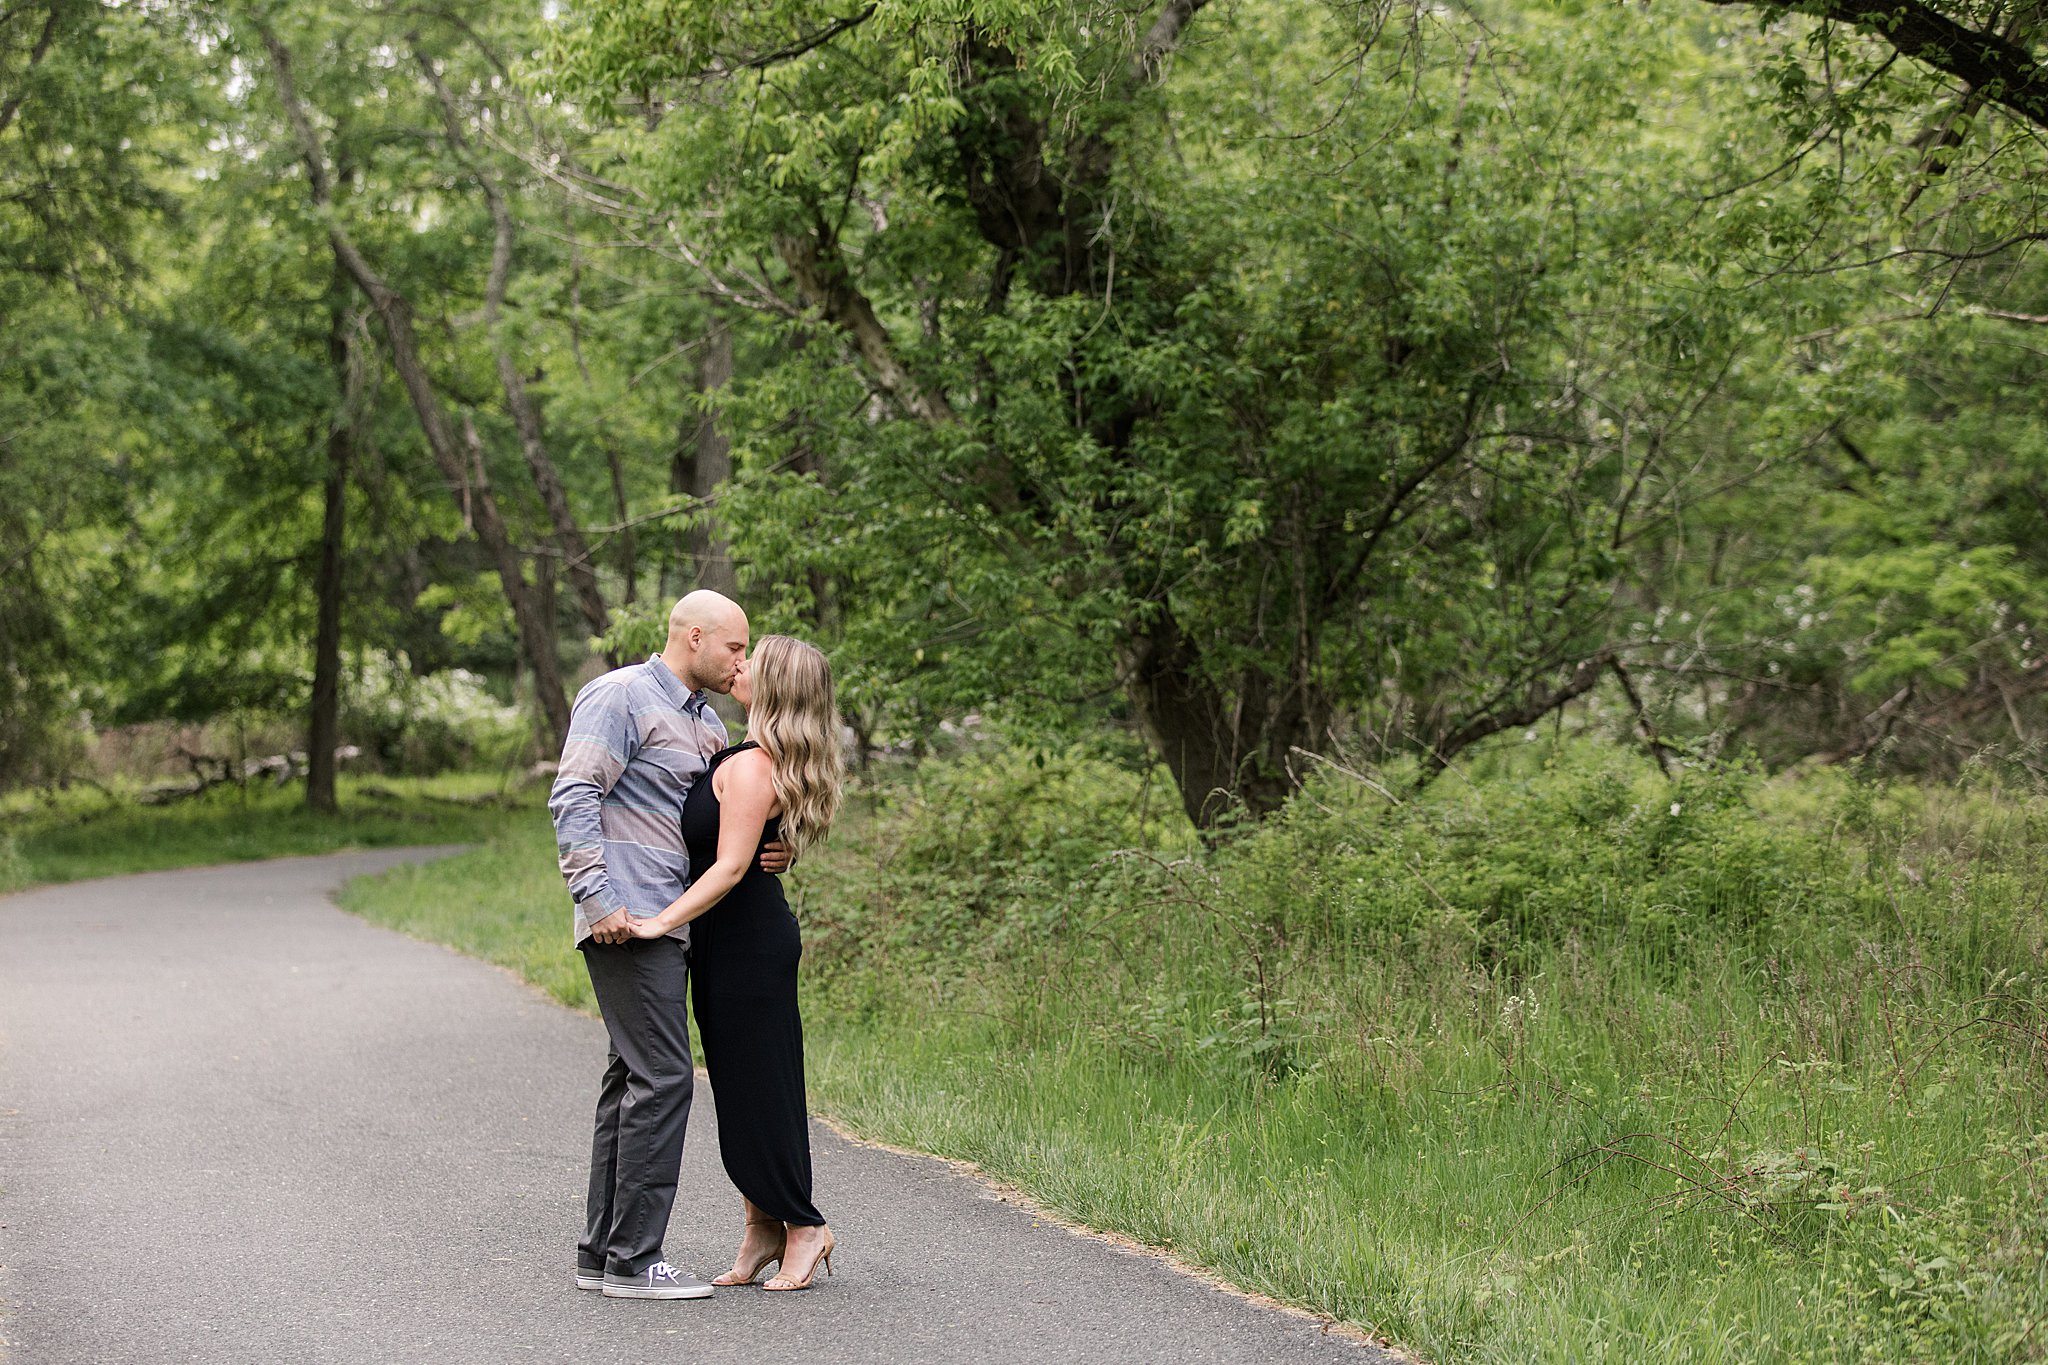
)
(80, 164)
(1144, 398)
(462, 465)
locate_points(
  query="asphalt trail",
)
(239, 1125)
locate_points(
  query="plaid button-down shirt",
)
(637, 741)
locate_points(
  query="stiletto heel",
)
(761, 1263)
(784, 1283)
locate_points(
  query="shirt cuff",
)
(600, 903)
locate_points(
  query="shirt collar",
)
(682, 696)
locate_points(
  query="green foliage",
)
(1587, 847)
(997, 846)
(1315, 411)
(1325, 363)
(425, 725)
(89, 95)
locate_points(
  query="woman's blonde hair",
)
(797, 724)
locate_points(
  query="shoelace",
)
(662, 1270)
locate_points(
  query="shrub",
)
(1595, 843)
(984, 851)
(425, 725)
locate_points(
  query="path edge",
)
(1007, 1193)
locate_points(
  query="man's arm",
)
(602, 739)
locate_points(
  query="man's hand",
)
(617, 927)
(775, 858)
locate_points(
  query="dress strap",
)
(724, 754)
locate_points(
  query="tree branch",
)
(2006, 73)
(824, 283)
(1658, 748)
(1540, 702)
(802, 45)
(35, 59)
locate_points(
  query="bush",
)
(1595, 843)
(44, 735)
(983, 851)
(425, 725)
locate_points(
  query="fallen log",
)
(212, 770)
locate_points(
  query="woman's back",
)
(701, 820)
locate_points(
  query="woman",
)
(783, 782)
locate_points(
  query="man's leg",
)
(604, 1165)
(640, 989)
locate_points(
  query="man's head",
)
(707, 639)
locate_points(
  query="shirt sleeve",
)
(602, 740)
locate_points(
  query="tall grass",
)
(1559, 1062)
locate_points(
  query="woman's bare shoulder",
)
(750, 772)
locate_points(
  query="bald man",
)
(638, 738)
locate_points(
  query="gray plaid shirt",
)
(638, 739)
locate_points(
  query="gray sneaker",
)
(659, 1281)
(587, 1278)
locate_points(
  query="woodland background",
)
(1254, 379)
(1438, 605)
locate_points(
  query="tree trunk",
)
(1223, 750)
(536, 636)
(568, 535)
(323, 731)
(519, 399)
(533, 618)
(629, 559)
(703, 461)
(825, 608)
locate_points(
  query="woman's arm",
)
(743, 810)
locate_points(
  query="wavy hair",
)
(797, 724)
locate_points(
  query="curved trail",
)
(237, 1124)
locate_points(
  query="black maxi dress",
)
(743, 960)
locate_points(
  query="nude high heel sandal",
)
(783, 1283)
(761, 1263)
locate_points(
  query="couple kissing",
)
(673, 843)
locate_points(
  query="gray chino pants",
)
(643, 1105)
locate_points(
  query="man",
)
(638, 737)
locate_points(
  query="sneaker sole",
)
(613, 1291)
(590, 1281)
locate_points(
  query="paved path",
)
(239, 1125)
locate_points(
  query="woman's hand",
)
(651, 927)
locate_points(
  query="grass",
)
(1560, 1063)
(88, 833)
